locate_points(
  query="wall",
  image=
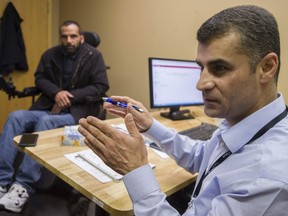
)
(53, 21)
(131, 31)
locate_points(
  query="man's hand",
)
(62, 99)
(55, 109)
(122, 152)
(143, 120)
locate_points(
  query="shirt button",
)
(222, 144)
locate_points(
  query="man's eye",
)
(219, 69)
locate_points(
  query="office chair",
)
(49, 184)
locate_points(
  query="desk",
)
(111, 196)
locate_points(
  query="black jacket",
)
(12, 47)
(89, 78)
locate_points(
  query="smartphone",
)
(28, 140)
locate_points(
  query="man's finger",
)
(131, 127)
(90, 139)
(104, 132)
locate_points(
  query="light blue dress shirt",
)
(252, 181)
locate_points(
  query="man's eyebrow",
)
(71, 35)
(217, 61)
(213, 62)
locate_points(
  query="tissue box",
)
(71, 136)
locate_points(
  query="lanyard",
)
(261, 132)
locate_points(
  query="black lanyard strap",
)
(261, 132)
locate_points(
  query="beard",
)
(71, 49)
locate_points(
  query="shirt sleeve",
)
(141, 183)
(145, 193)
(186, 152)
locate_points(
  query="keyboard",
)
(202, 132)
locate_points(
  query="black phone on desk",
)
(28, 140)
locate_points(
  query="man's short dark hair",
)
(256, 27)
(70, 22)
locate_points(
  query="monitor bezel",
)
(151, 89)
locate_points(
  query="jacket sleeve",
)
(45, 79)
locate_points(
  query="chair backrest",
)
(91, 38)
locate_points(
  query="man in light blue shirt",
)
(243, 167)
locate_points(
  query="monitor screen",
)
(173, 83)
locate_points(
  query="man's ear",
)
(82, 38)
(269, 66)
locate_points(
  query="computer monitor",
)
(172, 84)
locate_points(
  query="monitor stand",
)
(176, 114)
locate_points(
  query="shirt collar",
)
(238, 135)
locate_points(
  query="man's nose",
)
(69, 39)
(205, 81)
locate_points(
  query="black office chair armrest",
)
(30, 91)
(96, 101)
(94, 98)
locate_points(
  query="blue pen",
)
(121, 104)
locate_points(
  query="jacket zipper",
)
(76, 71)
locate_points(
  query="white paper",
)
(94, 165)
(160, 153)
(88, 167)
